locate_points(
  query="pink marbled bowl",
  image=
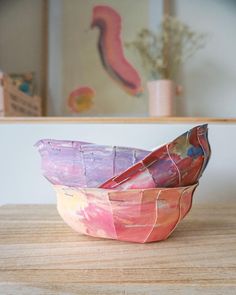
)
(137, 215)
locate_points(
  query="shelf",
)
(113, 120)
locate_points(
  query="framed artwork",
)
(94, 72)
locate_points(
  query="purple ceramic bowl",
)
(82, 164)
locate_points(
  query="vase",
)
(162, 97)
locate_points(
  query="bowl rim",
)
(73, 144)
(103, 190)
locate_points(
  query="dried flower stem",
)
(163, 52)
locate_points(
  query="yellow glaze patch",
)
(70, 198)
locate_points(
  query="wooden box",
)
(15, 103)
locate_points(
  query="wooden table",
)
(39, 254)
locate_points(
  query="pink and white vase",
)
(162, 97)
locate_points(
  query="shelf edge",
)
(113, 120)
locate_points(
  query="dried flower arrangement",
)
(164, 51)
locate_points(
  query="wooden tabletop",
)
(39, 254)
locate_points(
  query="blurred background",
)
(49, 50)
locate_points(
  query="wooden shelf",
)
(113, 120)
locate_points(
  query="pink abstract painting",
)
(111, 51)
(81, 99)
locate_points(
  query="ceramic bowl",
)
(139, 215)
(82, 164)
(178, 163)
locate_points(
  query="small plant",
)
(164, 51)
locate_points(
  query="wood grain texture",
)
(114, 120)
(39, 254)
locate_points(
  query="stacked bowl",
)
(124, 193)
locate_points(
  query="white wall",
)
(209, 77)
(20, 175)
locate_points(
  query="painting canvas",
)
(100, 76)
